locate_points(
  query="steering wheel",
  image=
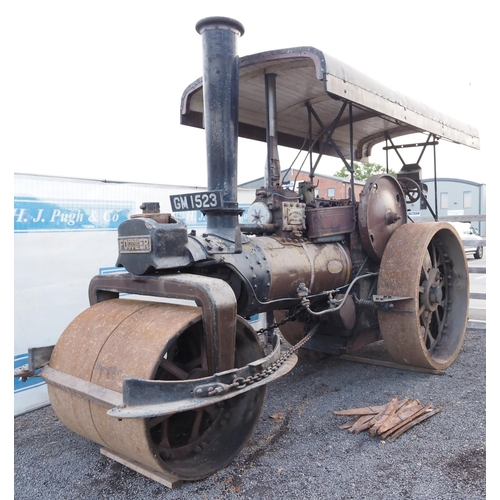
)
(411, 189)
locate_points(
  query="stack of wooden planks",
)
(389, 420)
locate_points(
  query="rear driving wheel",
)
(424, 263)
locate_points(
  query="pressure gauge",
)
(259, 213)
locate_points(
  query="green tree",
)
(363, 171)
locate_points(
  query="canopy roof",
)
(312, 87)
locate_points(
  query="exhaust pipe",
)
(220, 96)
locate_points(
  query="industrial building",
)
(327, 186)
(453, 200)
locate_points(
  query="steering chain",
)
(240, 382)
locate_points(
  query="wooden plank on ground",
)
(402, 416)
(364, 422)
(392, 419)
(403, 429)
(389, 411)
(162, 478)
(348, 424)
(391, 364)
(366, 410)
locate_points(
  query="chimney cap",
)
(219, 22)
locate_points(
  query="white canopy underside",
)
(306, 77)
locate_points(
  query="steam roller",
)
(164, 367)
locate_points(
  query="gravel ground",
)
(297, 450)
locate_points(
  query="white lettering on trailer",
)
(19, 214)
(67, 218)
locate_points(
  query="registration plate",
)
(208, 200)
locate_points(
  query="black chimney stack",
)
(220, 96)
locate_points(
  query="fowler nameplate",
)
(134, 244)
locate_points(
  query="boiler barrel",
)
(275, 270)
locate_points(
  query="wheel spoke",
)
(426, 266)
(213, 411)
(153, 422)
(195, 431)
(434, 327)
(174, 369)
(439, 322)
(425, 319)
(165, 443)
(195, 363)
(160, 435)
(421, 309)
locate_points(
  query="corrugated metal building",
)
(454, 199)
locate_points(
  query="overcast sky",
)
(93, 87)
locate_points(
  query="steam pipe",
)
(273, 169)
(220, 97)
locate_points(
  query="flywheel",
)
(425, 264)
(121, 338)
(382, 210)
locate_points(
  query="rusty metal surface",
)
(319, 267)
(119, 339)
(107, 343)
(330, 221)
(75, 354)
(145, 398)
(215, 297)
(426, 263)
(382, 210)
(37, 358)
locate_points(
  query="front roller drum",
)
(425, 267)
(120, 338)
